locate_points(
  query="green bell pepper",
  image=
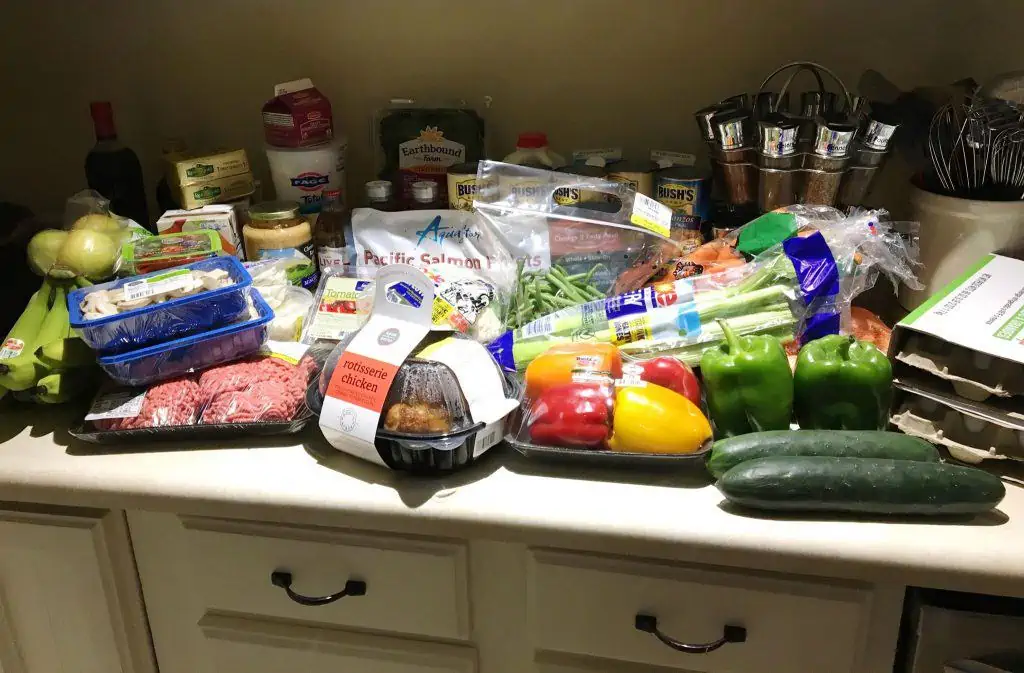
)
(842, 384)
(748, 384)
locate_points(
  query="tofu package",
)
(401, 395)
(959, 364)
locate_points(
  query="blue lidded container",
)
(172, 319)
(191, 353)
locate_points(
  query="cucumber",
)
(867, 485)
(727, 453)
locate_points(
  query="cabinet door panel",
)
(66, 601)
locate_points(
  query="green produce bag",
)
(764, 232)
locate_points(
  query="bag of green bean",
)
(574, 238)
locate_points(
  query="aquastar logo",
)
(438, 233)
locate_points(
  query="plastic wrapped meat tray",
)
(172, 319)
(192, 353)
(257, 396)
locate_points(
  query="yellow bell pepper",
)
(653, 419)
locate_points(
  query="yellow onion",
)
(43, 250)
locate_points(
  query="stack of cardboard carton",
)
(959, 364)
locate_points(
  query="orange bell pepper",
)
(572, 363)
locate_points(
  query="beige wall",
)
(589, 72)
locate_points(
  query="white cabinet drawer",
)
(587, 605)
(412, 585)
(251, 646)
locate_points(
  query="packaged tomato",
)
(156, 253)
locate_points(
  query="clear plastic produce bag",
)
(291, 304)
(792, 293)
(89, 246)
(576, 239)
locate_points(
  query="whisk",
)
(1007, 163)
(961, 145)
(959, 141)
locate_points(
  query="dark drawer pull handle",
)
(283, 579)
(730, 634)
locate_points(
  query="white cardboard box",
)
(963, 349)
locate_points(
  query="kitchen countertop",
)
(301, 480)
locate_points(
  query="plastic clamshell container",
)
(172, 319)
(611, 459)
(192, 353)
(443, 453)
(167, 251)
(431, 383)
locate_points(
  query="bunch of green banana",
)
(42, 359)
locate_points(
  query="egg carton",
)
(974, 375)
(970, 431)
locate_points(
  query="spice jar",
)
(740, 101)
(705, 123)
(824, 166)
(707, 133)
(777, 162)
(733, 155)
(277, 230)
(867, 160)
(768, 102)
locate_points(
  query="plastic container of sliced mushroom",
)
(194, 353)
(158, 307)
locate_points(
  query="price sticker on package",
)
(154, 285)
(121, 404)
(651, 215)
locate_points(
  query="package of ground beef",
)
(259, 395)
(253, 391)
(166, 404)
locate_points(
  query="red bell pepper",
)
(572, 415)
(670, 373)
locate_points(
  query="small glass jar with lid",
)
(733, 155)
(777, 161)
(824, 166)
(276, 229)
